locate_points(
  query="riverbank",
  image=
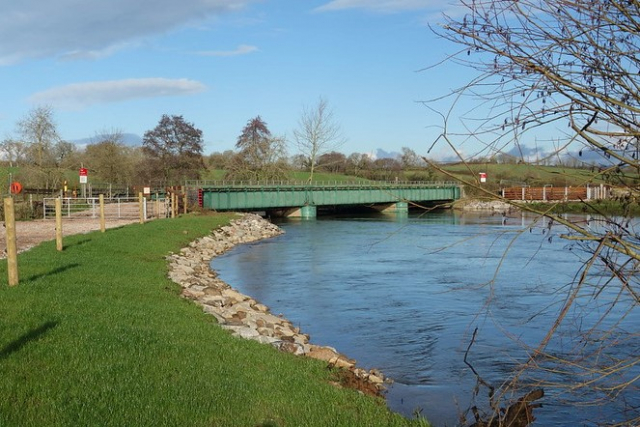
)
(471, 204)
(625, 205)
(97, 334)
(245, 317)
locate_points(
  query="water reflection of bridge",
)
(303, 199)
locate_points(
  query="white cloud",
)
(95, 54)
(80, 95)
(240, 50)
(86, 28)
(386, 6)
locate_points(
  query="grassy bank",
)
(97, 335)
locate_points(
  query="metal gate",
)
(114, 208)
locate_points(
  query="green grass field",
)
(97, 335)
(509, 174)
(516, 174)
(218, 175)
(325, 177)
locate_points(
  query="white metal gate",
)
(89, 207)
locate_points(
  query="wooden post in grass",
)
(59, 224)
(103, 226)
(141, 207)
(12, 249)
(157, 206)
(184, 201)
(174, 204)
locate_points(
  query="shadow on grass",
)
(32, 335)
(78, 243)
(52, 272)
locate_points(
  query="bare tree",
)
(569, 69)
(38, 130)
(298, 162)
(318, 133)
(14, 151)
(45, 150)
(359, 163)
(66, 155)
(219, 160)
(109, 159)
(411, 160)
(387, 169)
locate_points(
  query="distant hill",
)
(130, 139)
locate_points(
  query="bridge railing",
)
(320, 184)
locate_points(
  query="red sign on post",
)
(83, 175)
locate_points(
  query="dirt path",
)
(32, 233)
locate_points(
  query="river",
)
(404, 295)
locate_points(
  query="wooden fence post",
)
(103, 226)
(12, 249)
(141, 207)
(184, 201)
(59, 245)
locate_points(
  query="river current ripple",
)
(404, 295)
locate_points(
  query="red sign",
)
(83, 171)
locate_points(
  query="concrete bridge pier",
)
(393, 208)
(304, 212)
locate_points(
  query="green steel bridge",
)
(304, 199)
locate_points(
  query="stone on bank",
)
(242, 315)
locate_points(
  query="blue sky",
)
(121, 64)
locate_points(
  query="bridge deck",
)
(259, 196)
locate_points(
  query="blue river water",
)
(405, 294)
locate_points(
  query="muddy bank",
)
(245, 317)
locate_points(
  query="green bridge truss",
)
(303, 199)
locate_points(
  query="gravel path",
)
(32, 233)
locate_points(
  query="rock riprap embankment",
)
(244, 316)
(487, 205)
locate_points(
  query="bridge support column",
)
(394, 208)
(304, 212)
